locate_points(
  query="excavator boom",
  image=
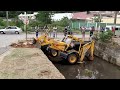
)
(87, 48)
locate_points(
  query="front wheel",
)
(54, 53)
(72, 58)
(16, 32)
(2, 32)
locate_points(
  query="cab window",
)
(13, 28)
(8, 28)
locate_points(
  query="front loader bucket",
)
(34, 41)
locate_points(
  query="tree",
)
(97, 18)
(44, 17)
(115, 18)
(2, 23)
(13, 14)
(64, 22)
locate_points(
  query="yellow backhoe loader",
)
(72, 49)
(43, 41)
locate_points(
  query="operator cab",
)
(72, 43)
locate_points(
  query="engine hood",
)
(2, 29)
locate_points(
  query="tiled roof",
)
(81, 15)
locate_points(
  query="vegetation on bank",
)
(104, 36)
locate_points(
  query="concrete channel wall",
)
(107, 52)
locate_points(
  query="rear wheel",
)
(72, 58)
(16, 32)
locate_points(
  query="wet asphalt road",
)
(7, 39)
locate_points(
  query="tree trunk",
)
(115, 19)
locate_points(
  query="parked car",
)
(11, 29)
(87, 29)
(110, 28)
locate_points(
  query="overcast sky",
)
(59, 16)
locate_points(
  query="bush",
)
(2, 23)
(105, 36)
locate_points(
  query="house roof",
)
(81, 15)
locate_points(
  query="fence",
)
(77, 25)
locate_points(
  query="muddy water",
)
(97, 69)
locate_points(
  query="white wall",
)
(59, 16)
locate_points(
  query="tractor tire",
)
(72, 58)
(44, 49)
(54, 53)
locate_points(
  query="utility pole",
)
(25, 24)
(7, 17)
(115, 19)
(99, 21)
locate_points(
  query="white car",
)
(11, 29)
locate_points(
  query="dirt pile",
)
(23, 44)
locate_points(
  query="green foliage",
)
(2, 23)
(105, 36)
(63, 23)
(97, 19)
(19, 23)
(12, 14)
(44, 17)
(16, 22)
(34, 23)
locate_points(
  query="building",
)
(82, 19)
(59, 16)
(30, 16)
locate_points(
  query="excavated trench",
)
(97, 69)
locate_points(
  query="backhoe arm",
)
(84, 50)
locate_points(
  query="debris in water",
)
(78, 76)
